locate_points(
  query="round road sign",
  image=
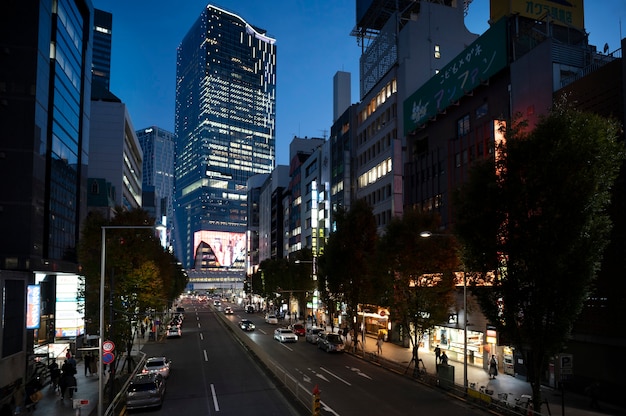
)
(108, 357)
(108, 346)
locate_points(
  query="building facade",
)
(44, 135)
(159, 151)
(225, 128)
(102, 38)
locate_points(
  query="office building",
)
(45, 76)
(225, 132)
(158, 148)
(102, 38)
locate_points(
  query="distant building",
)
(225, 132)
(114, 151)
(44, 130)
(159, 151)
(102, 37)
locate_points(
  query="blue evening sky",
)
(313, 42)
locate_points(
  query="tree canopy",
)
(139, 274)
(421, 271)
(537, 216)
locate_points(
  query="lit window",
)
(437, 52)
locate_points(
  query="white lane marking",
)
(336, 376)
(263, 332)
(198, 324)
(356, 370)
(206, 357)
(217, 406)
(289, 348)
(328, 409)
(201, 336)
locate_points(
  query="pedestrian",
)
(72, 362)
(68, 354)
(379, 344)
(437, 354)
(593, 391)
(87, 363)
(493, 367)
(444, 358)
(143, 331)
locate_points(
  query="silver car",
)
(311, 334)
(157, 365)
(330, 342)
(285, 335)
(145, 390)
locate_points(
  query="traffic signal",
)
(317, 405)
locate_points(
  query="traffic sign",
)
(567, 364)
(108, 357)
(108, 346)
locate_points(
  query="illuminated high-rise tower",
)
(225, 128)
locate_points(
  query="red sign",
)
(108, 357)
(108, 346)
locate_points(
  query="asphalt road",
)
(350, 386)
(212, 374)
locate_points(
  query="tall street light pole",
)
(428, 234)
(101, 329)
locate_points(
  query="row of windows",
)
(379, 195)
(387, 91)
(380, 147)
(374, 174)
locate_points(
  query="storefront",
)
(452, 342)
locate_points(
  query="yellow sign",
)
(562, 12)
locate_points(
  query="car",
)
(249, 309)
(174, 332)
(285, 335)
(217, 303)
(228, 310)
(298, 329)
(329, 342)
(271, 319)
(157, 365)
(311, 334)
(145, 390)
(246, 325)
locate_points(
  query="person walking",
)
(444, 358)
(87, 361)
(493, 367)
(379, 344)
(437, 354)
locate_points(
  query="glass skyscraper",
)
(225, 129)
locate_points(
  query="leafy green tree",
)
(539, 215)
(139, 274)
(421, 271)
(349, 259)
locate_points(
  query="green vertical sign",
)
(485, 57)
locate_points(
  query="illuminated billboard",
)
(69, 315)
(33, 302)
(561, 12)
(219, 249)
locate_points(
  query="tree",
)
(541, 212)
(140, 275)
(421, 271)
(349, 258)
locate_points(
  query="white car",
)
(174, 332)
(158, 365)
(285, 335)
(271, 319)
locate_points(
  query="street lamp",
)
(101, 329)
(428, 234)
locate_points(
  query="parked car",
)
(271, 319)
(329, 342)
(145, 390)
(311, 334)
(228, 310)
(246, 325)
(157, 365)
(174, 332)
(298, 329)
(285, 335)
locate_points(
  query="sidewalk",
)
(400, 357)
